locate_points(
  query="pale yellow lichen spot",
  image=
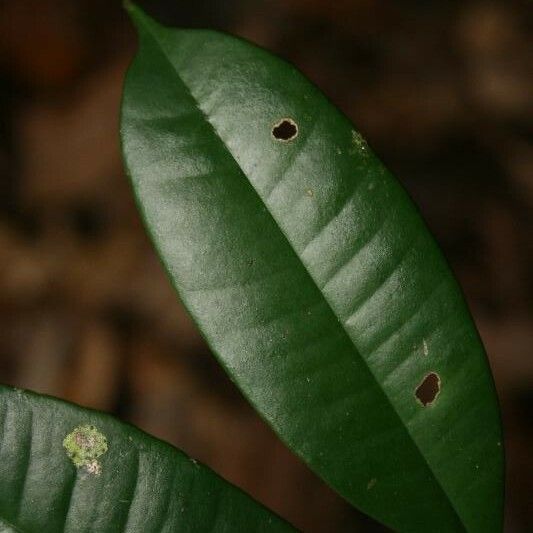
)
(84, 444)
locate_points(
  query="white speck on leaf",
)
(425, 347)
(371, 484)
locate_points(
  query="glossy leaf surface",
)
(313, 278)
(141, 484)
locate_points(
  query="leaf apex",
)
(138, 16)
(128, 5)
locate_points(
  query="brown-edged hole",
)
(429, 389)
(285, 130)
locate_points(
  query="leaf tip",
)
(137, 15)
(128, 5)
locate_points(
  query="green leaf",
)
(313, 278)
(65, 468)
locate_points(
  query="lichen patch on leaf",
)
(94, 467)
(84, 444)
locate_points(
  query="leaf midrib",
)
(403, 425)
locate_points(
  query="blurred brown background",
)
(441, 90)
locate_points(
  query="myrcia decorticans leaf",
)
(313, 278)
(65, 468)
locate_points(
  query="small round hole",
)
(285, 130)
(429, 389)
